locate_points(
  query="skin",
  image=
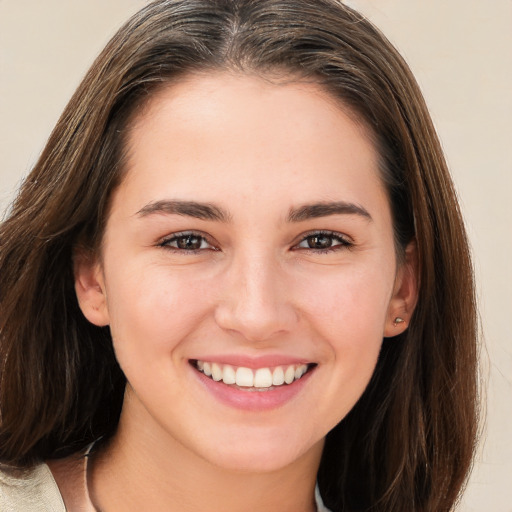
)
(256, 149)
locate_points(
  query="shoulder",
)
(29, 490)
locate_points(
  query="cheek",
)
(351, 300)
(347, 314)
(152, 309)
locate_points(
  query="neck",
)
(137, 471)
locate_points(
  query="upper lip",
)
(266, 361)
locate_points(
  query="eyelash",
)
(175, 237)
(343, 242)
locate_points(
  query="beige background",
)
(461, 53)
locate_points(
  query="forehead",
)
(230, 134)
(213, 92)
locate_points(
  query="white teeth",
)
(244, 377)
(229, 376)
(300, 371)
(278, 376)
(289, 374)
(262, 378)
(216, 372)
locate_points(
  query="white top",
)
(32, 490)
(35, 490)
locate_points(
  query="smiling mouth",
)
(260, 379)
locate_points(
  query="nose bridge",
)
(255, 302)
(259, 281)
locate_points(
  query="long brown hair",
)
(408, 443)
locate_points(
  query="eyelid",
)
(346, 242)
(164, 241)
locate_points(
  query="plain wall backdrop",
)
(461, 54)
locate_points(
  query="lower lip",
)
(253, 400)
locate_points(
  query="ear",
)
(405, 294)
(90, 287)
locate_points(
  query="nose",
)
(255, 301)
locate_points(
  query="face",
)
(248, 270)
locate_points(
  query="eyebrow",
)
(208, 211)
(324, 209)
(204, 211)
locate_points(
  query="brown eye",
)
(319, 241)
(186, 242)
(189, 242)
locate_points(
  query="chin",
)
(265, 456)
(244, 463)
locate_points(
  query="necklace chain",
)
(88, 455)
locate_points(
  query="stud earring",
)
(398, 320)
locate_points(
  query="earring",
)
(398, 320)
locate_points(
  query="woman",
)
(238, 278)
